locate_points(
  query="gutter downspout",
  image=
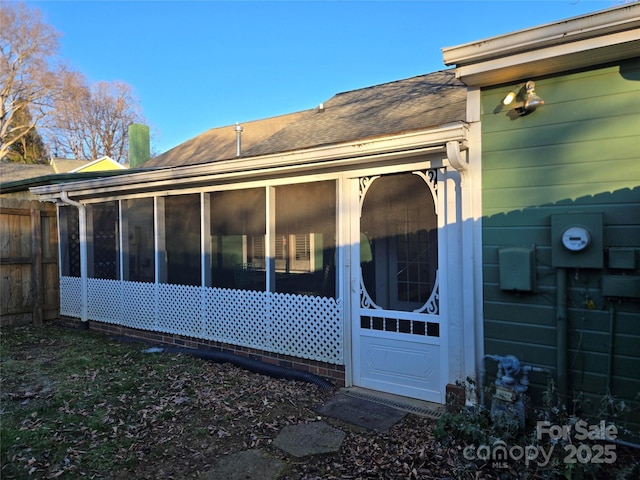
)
(82, 214)
(612, 320)
(454, 155)
(465, 286)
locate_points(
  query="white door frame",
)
(448, 231)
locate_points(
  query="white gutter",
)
(600, 37)
(551, 60)
(82, 213)
(340, 155)
(613, 20)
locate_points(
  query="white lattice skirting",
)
(300, 326)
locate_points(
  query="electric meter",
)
(576, 238)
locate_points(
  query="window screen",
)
(69, 241)
(138, 217)
(399, 242)
(238, 228)
(103, 241)
(305, 238)
(182, 239)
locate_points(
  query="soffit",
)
(601, 37)
(550, 61)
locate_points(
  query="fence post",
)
(37, 287)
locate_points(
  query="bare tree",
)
(27, 81)
(75, 119)
(64, 130)
(92, 121)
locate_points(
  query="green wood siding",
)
(580, 152)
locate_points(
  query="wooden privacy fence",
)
(30, 285)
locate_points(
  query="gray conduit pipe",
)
(612, 319)
(82, 215)
(561, 332)
(624, 443)
(250, 364)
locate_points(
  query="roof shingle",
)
(416, 103)
(11, 172)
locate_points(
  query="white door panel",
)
(400, 366)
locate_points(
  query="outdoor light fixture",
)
(524, 99)
(509, 98)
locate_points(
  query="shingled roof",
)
(416, 103)
(11, 172)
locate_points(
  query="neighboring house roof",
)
(417, 103)
(15, 177)
(13, 172)
(63, 165)
(68, 165)
(99, 165)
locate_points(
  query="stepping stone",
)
(247, 465)
(307, 439)
(362, 413)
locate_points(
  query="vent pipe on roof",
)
(238, 130)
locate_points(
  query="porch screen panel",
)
(399, 242)
(103, 241)
(305, 238)
(69, 241)
(182, 239)
(238, 228)
(140, 232)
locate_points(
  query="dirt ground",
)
(75, 404)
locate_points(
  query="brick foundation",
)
(335, 373)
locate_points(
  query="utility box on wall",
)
(622, 286)
(576, 240)
(517, 269)
(622, 258)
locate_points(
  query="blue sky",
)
(197, 65)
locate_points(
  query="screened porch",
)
(252, 267)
